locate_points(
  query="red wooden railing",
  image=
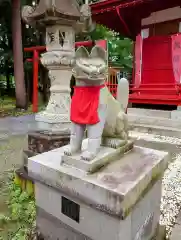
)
(112, 81)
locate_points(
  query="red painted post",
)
(35, 80)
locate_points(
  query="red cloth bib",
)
(84, 105)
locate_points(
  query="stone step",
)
(158, 130)
(149, 141)
(150, 112)
(157, 121)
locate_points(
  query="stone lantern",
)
(61, 18)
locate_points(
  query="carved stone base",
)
(40, 142)
(105, 156)
(56, 116)
(52, 123)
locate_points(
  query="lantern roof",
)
(124, 16)
(49, 11)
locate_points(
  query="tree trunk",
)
(29, 85)
(18, 55)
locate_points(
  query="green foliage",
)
(6, 62)
(21, 214)
(30, 36)
(119, 48)
(121, 52)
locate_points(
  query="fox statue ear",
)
(81, 53)
(99, 52)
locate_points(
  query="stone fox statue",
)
(93, 107)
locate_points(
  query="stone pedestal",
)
(120, 201)
(40, 142)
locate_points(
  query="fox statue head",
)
(91, 66)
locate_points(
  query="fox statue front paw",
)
(87, 156)
(114, 142)
(69, 151)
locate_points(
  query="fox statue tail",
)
(123, 92)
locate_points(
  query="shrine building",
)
(155, 27)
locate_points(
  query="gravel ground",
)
(171, 194)
(13, 132)
(11, 152)
(154, 137)
(10, 157)
(13, 138)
